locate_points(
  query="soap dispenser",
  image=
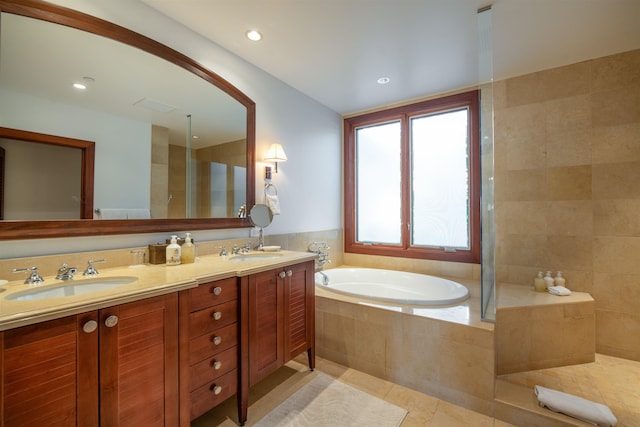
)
(188, 254)
(539, 283)
(559, 280)
(548, 279)
(173, 252)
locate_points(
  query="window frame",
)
(469, 100)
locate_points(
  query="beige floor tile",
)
(448, 415)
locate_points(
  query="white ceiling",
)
(335, 50)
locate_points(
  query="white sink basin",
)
(255, 256)
(71, 288)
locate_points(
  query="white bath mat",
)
(325, 402)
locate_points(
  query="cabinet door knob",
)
(217, 365)
(217, 290)
(217, 340)
(216, 389)
(90, 326)
(111, 321)
(289, 273)
(217, 315)
(282, 274)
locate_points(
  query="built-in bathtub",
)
(392, 286)
(441, 348)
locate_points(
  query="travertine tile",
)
(524, 217)
(568, 114)
(569, 183)
(616, 106)
(616, 144)
(523, 90)
(571, 148)
(616, 217)
(616, 181)
(569, 218)
(568, 81)
(453, 416)
(616, 71)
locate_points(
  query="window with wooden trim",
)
(412, 180)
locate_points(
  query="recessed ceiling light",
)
(383, 80)
(82, 84)
(254, 35)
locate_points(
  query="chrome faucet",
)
(65, 272)
(223, 251)
(91, 270)
(322, 250)
(34, 277)
(325, 278)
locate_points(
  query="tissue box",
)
(158, 253)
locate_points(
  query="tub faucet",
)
(325, 278)
(65, 272)
(322, 250)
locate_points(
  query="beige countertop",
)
(151, 280)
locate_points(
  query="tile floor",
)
(609, 380)
(424, 410)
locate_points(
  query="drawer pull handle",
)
(216, 389)
(217, 315)
(282, 274)
(217, 340)
(217, 365)
(90, 326)
(289, 273)
(217, 290)
(111, 321)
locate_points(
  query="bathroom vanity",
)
(162, 350)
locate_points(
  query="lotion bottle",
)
(188, 254)
(173, 252)
(539, 283)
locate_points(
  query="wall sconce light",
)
(276, 154)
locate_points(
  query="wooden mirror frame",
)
(88, 227)
(88, 155)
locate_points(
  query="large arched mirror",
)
(174, 142)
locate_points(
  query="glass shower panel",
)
(485, 78)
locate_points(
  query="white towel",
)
(272, 203)
(558, 290)
(113, 213)
(576, 407)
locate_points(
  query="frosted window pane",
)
(440, 180)
(378, 198)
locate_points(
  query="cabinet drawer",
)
(213, 367)
(213, 293)
(207, 345)
(204, 398)
(213, 318)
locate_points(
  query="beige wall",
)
(567, 187)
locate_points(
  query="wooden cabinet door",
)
(299, 303)
(139, 363)
(50, 373)
(266, 324)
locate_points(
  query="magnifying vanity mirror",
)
(261, 216)
(173, 141)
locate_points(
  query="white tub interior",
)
(392, 286)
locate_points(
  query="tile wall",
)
(451, 361)
(567, 187)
